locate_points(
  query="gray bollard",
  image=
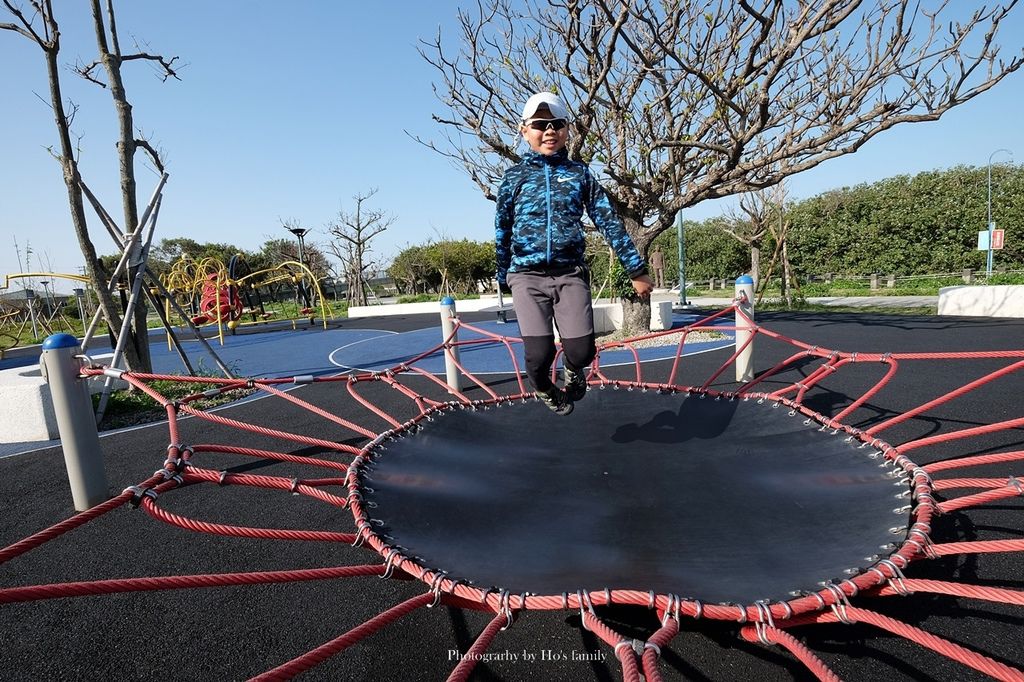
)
(745, 303)
(451, 355)
(76, 421)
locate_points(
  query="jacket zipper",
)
(547, 188)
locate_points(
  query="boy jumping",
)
(540, 245)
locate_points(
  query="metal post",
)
(991, 225)
(300, 234)
(681, 250)
(744, 330)
(451, 353)
(502, 313)
(76, 423)
(30, 299)
(79, 295)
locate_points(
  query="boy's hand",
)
(643, 286)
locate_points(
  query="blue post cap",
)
(744, 279)
(62, 340)
(447, 300)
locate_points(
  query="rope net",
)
(341, 425)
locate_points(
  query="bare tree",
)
(111, 59)
(353, 233)
(701, 99)
(751, 229)
(778, 225)
(41, 27)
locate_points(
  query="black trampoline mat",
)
(717, 500)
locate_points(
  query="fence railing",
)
(874, 281)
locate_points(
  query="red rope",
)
(56, 530)
(977, 383)
(269, 454)
(270, 482)
(773, 635)
(470, 659)
(942, 646)
(998, 595)
(893, 366)
(241, 531)
(978, 547)
(322, 653)
(177, 582)
(974, 461)
(371, 407)
(977, 499)
(963, 433)
(623, 646)
(318, 411)
(951, 483)
(263, 431)
(660, 639)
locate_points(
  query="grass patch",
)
(134, 407)
(433, 298)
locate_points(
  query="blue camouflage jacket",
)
(537, 221)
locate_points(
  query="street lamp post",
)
(47, 301)
(991, 225)
(300, 233)
(682, 304)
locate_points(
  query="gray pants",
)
(541, 298)
(564, 298)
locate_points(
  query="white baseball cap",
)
(548, 99)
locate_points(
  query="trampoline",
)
(628, 496)
(764, 507)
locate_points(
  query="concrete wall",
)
(468, 305)
(607, 316)
(1006, 300)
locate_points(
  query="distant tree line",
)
(444, 267)
(904, 225)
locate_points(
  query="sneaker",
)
(556, 400)
(575, 384)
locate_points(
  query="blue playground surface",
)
(389, 349)
(316, 351)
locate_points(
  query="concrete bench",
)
(26, 408)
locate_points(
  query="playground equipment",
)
(225, 295)
(44, 316)
(787, 511)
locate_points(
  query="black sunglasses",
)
(547, 123)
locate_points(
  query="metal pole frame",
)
(683, 304)
(991, 225)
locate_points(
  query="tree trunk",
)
(787, 276)
(636, 312)
(636, 316)
(71, 179)
(755, 263)
(138, 334)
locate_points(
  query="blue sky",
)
(287, 113)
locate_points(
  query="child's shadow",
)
(702, 418)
